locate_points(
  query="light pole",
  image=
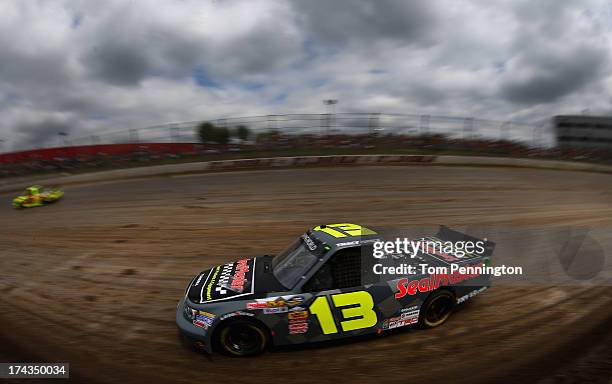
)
(330, 112)
(60, 135)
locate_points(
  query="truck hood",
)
(238, 280)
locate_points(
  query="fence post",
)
(271, 123)
(322, 123)
(424, 124)
(133, 135)
(373, 122)
(174, 133)
(468, 128)
(536, 135)
(502, 132)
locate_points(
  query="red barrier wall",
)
(93, 150)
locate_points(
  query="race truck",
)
(36, 196)
(326, 286)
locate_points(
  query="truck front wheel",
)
(242, 338)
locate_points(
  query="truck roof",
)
(342, 234)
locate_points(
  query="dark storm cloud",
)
(552, 57)
(124, 50)
(180, 54)
(546, 18)
(263, 50)
(118, 63)
(343, 21)
(44, 132)
(115, 46)
(552, 77)
(40, 71)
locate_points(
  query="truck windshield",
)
(292, 263)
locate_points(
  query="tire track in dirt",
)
(95, 279)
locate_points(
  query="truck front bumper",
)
(193, 334)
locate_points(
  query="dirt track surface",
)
(94, 280)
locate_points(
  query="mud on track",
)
(94, 280)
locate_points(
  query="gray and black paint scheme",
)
(312, 310)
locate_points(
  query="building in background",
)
(583, 132)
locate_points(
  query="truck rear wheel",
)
(436, 309)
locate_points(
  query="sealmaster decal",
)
(426, 284)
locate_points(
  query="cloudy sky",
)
(85, 67)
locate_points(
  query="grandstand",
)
(583, 132)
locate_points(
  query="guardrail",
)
(304, 162)
(75, 152)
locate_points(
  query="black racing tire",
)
(437, 309)
(241, 338)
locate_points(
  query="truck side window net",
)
(343, 270)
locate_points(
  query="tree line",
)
(210, 133)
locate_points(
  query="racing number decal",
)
(345, 229)
(320, 308)
(360, 314)
(363, 315)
